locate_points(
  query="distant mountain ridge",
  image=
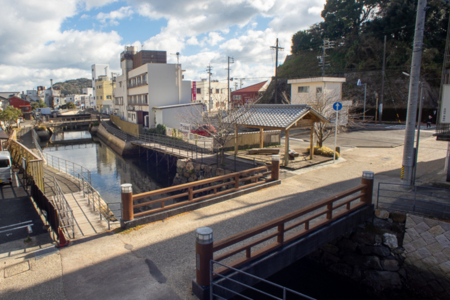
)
(73, 86)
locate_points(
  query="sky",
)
(62, 39)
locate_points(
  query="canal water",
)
(108, 169)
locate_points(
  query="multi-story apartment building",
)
(219, 94)
(147, 81)
(97, 71)
(104, 94)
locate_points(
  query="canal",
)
(108, 169)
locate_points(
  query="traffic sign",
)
(337, 106)
(359, 82)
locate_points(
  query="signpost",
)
(365, 86)
(337, 106)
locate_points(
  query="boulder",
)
(207, 169)
(202, 166)
(390, 240)
(390, 265)
(330, 248)
(398, 217)
(190, 166)
(342, 269)
(220, 172)
(181, 163)
(346, 245)
(382, 214)
(364, 237)
(366, 262)
(197, 167)
(186, 174)
(375, 250)
(382, 280)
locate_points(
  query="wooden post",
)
(236, 147)
(367, 179)
(236, 181)
(127, 202)
(203, 254)
(311, 143)
(261, 138)
(286, 148)
(275, 167)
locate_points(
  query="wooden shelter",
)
(276, 117)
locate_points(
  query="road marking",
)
(29, 221)
(15, 228)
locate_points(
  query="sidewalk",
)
(157, 261)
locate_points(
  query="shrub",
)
(325, 151)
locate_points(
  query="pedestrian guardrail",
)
(65, 213)
(67, 166)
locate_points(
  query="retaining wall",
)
(128, 127)
(120, 146)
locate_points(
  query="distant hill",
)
(73, 86)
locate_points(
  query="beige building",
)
(218, 92)
(310, 90)
(104, 94)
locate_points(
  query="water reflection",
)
(109, 170)
(70, 135)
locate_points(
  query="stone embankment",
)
(393, 251)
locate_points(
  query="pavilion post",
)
(311, 143)
(286, 149)
(261, 138)
(235, 139)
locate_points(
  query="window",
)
(199, 90)
(120, 83)
(101, 97)
(145, 78)
(108, 97)
(303, 89)
(145, 99)
(217, 91)
(237, 97)
(319, 90)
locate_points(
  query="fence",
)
(105, 210)
(31, 164)
(297, 223)
(46, 207)
(215, 295)
(65, 213)
(68, 167)
(221, 185)
(421, 200)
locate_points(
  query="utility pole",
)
(408, 150)
(230, 60)
(382, 80)
(208, 70)
(327, 44)
(276, 67)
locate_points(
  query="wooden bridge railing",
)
(195, 191)
(282, 230)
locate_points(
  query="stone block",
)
(342, 269)
(419, 243)
(330, 258)
(390, 240)
(416, 219)
(346, 245)
(365, 238)
(381, 280)
(413, 233)
(431, 222)
(436, 230)
(435, 248)
(181, 163)
(443, 240)
(440, 257)
(430, 261)
(445, 225)
(390, 265)
(189, 166)
(414, 256)
(428, 237)
(197, 167)
(220, 172)
(446, 252)
(445, 267)
(398, 217)
(409, 248)
(330, 248)
(407, 238)
(421, 227)
(409, 222)
(435, 286)
(423, 252)
(381, 214)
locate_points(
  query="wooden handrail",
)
(198, 183)
(329, 210)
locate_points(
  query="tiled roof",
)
(271, 115)
(251, 88)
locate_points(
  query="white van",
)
(5, 167)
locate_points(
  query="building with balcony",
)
(147, 81)
(97, 71)
(218, 92)
(248, 94)
(104, 94)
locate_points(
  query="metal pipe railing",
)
(65, 213)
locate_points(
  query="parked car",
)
(5, 168)
(204, 130)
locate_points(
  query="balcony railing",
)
(136, 84)
(141, 102)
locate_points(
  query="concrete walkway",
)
(157, 261)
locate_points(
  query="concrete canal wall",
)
(120, 146)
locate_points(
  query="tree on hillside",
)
(10, 115)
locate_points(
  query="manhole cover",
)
(17, 269)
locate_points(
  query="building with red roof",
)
(248, 94)
(21, 104)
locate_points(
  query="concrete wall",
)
(251, 139)
(128, 127)
(172, 117)
(118, 145)
(329, 89)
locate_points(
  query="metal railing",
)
(104, 210)
(36, 144)
(420, 200)
(65, 213)
(67, 166)
(223, 278)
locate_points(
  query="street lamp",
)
(365, 87)
(416, 149)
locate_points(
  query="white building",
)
(218, 92)
(88, 97)
(32, 95)
(147, 81)
(98, 70)
(57, 99)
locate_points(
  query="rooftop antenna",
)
(178, 56)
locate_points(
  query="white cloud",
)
(214, 38)
(315, 10)
(112, 17)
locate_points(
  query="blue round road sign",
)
(337, 106)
